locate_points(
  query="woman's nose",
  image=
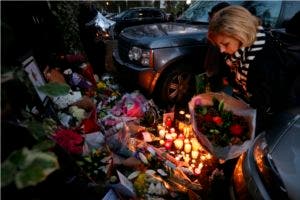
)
(222, 49)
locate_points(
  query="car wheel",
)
(177, 87)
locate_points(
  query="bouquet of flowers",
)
(223, 124)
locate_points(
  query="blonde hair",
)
(234, 21)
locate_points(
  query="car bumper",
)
(130, 73)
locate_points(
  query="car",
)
(162, 59)
(270, 167)
(136, 16)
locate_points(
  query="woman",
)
(258, 77)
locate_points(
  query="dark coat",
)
(273, 85)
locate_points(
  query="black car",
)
(138, 16)
(163, 58)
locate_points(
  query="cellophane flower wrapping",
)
(238, 108)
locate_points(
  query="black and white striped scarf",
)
(241, 61)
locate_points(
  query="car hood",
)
(163, 35)
(285, 151)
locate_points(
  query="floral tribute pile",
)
(224, 125)
(120, 141)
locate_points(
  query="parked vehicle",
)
(162, 58)
(270, 168)
(137, 16)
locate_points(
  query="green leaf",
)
(36, 129)
(221, 105)
(54, 89)
(17, 157)
(204, 110)
(44, 145)
(37, 167)
(8, 173)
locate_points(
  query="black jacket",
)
(274, 85)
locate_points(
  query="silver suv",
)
(163, 58)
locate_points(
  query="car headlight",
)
(259, 153)
(267, 169)
(145, 57)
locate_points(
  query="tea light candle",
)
(181, 126)
(200, 165)
(160, 127)
(186, 159)
(188, 118)
(186, 131)
(187, 148)
(186, 141)
(181, 115)
(174, 135)
(208, 156)
(162, 133)
(178, 143)
(168, 136)
(195, 154)
(168, 144)
(195, 145)
(181, 136)
(161, 142)
(197, 171)
(203, 157)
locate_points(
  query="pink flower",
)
(198, 102)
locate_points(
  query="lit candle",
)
(200, 165)
(160, 127)
(168, 144)
(168, 122)
(178, 143)
(172, 130)
(195, 154)
(168, 136)
(195, 145)
(186, 131)
(208, 156)
(197, 171)
(181, 115)
(162, 133)
(181, 126)
(188, 118)
(181, 136)
(174, 135)
(187, 148)
(161, 142)
(186, 158)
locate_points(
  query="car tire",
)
(176, 87)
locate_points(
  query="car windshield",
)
(268, 11)
(121, 14)
(198, 11)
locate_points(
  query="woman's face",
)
(226, 44)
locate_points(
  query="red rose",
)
(218, 120)
(236, 129)
(69, 140)
(208, 118)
